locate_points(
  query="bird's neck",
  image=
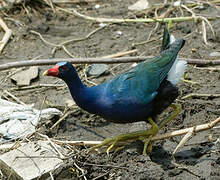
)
(79, 92)
(74, 84)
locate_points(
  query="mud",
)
(198, 159)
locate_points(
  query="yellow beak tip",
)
(45, 73)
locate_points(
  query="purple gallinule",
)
(137, 95)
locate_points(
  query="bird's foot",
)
(120, 141)
(155, 128)
(148, 144)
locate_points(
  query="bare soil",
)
(198, 159)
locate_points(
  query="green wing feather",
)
(141, 83)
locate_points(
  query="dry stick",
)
(208, 68)
(62, 118)
(36, 86)
(147, 41)
(204, 33)
(82, 170)
(196, 129)
(141, 20)
(203, 19)
(6, 37)
(50, 3)
(62, 45)
(148, 20)
(13, 97)
(183, 141)
(52, 144)
(73, 1)
(200, 95)
(189, 81)
(45, 41)
(76, 40)
(51, 176)
(43, 62)
(119, 54)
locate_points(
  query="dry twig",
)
(73, 1)
(52, 144)
(62, 118)
(43, 62)
(62, 45)
(37, 86)
(200, 95)
(208, 68)
(6, 37)
(187, 131)
(82, 170)
(139, 20)
(13, 97)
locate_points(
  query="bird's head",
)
(62, 70)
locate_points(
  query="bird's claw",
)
(119, 142)
(112, 143)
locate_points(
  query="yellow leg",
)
(154, 129)
(119, 141)
(176, 110)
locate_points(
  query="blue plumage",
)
(133, 96)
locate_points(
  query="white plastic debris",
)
(17, 121)
(177, 3)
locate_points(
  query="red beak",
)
(52, 72)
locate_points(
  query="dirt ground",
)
(198, 159)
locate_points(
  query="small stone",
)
(102, 25)
(140, 5)
(134, 64)
(119, 33)
(218, 161)
(97, 6)
(214, 54)
(177, 3)
(186, 29)
(70, 103)
(97, 69)
(23, 78)
(175, 172)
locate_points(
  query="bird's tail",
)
(166, 39)
(178, 66)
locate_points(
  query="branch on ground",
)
(107, 60)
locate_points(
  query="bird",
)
(140, 94)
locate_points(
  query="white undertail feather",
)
(177, 69)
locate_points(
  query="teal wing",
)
(140, 84)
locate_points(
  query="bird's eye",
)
(64, 68)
